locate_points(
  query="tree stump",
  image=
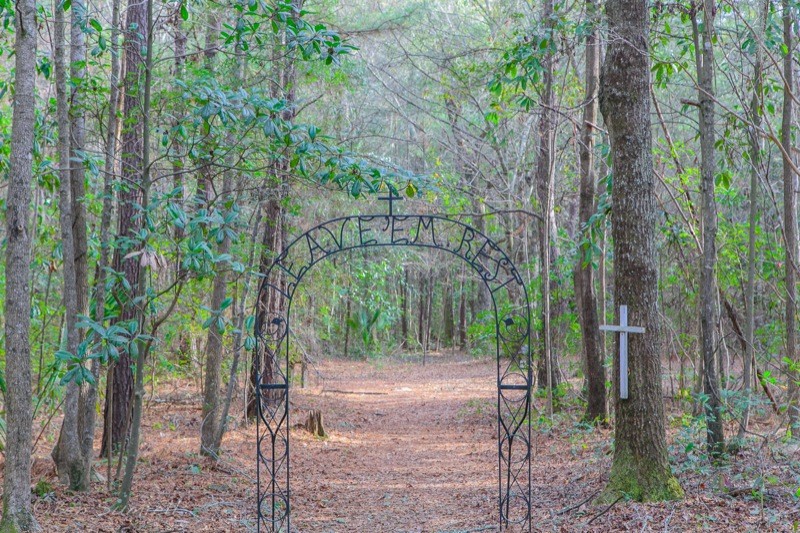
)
(314, 423)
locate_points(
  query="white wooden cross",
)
(623, 330)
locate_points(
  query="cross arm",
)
(623, 329)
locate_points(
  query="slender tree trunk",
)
(447, 313)
(67, 452)
(177, 145)
(205, 186)
(462, 310)
(212, 400)
(790, 214)
(347, 326)
(109, 169)
(640, 468)
(275, 231)
(77, 141)
(214, 349)
(548, 375)
(428, 312)
(238, 335)
(144, 347)
(404, 306)
(595, 371)
(87, 401)
(708, 294)
(131, 196)
(755, 147)
(17, 514)
(423, 293)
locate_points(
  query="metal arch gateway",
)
(513, 349)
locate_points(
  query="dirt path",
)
(411, 448)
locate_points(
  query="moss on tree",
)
(639, 480)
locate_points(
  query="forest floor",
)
(411, 448)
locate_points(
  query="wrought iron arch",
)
(513, 348)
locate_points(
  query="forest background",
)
(178, 147)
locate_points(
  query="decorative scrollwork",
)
(495, 269)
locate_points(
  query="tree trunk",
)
(132, 151)
(275, 231)
(448, 327)
(640, 468)
(143, 347)
(109, 170)
(214, 351)
(708, 295)
(239, 333)
(67, 452)
(87, 398)
(593, 356)
(755, 146)
(547, 375)
(423, 293)
(77, 142)
(462, 311)
(404, 309)
(177, 145)
(212, 390)
(17, 514)
(790, 214)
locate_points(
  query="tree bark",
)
(547, 375)
(275, 230)
(67, 452)
(177, 145)
(447, 313)
(755, 146)
(462, 310)
(590, 328)
(87, 399)
(17, 514)
(212, 391)
(132, 454)
(109, 170)
(404, 307)
(131, 196)
(790, 216)
(715, 437)
(640, 468)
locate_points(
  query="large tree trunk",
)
(130, 197)
(640, 468)
(595, 371)
(67, 452)
(790, 213)
(708, 295)
(17, 515)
